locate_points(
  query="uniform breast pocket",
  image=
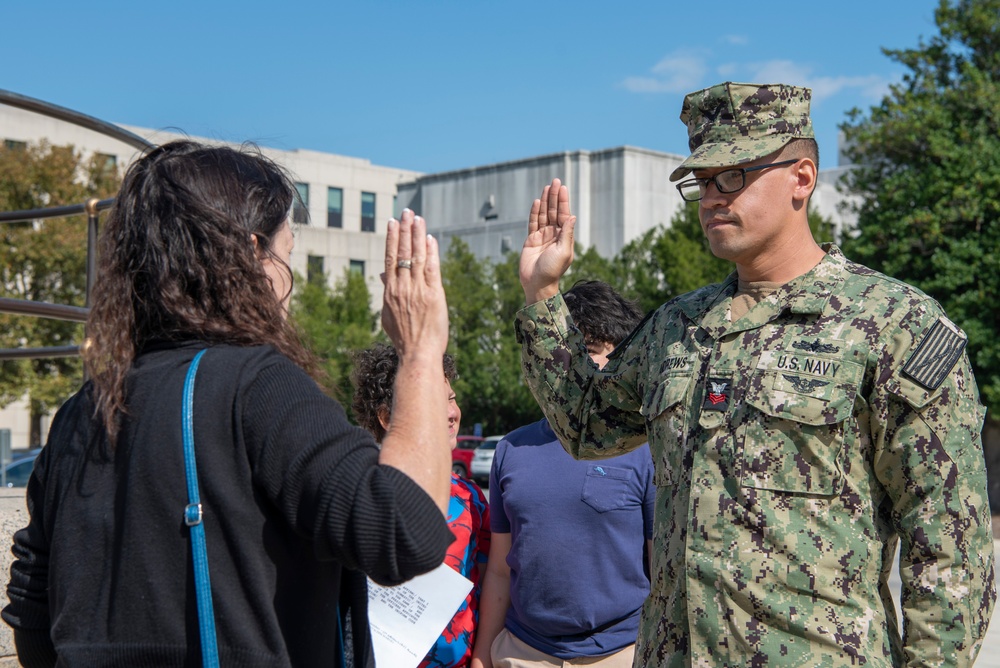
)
(607, 487)
(666, 409)
(794, 441)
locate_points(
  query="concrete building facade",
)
(617, 194)
(612, 192)
(349, 201)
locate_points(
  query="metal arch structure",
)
(75, 117)
(92, 208)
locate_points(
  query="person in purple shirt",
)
(568, 567)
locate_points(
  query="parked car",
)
(18, 471)
(22, 453)
(482, 460)
(461, 456)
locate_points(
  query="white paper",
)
(407, 620)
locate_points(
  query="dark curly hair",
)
(600, 313)
(177, 262)
(373, 376)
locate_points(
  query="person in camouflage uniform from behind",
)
(806, 416)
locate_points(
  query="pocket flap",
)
(910, 392)
(669, 392)
(774, 394)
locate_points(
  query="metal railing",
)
(91, 207)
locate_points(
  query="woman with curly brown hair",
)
(374, 377)
(296, 503)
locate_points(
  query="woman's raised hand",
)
(415, 316)
(414, 311)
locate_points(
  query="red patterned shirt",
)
(469, 520)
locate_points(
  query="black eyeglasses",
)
(729, 181)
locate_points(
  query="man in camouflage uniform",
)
(805, 416)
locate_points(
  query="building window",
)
(367, 212)
(334, 207)
(395, 207)
(106, 162)
(314, 269)
(358, 267)
(15, 145)
(489, 210)
(300, 209)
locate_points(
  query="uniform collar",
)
(808, 294)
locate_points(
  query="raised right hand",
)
(414, 311)
(548, 250)
(415, 316)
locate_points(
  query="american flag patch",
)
(936, 355)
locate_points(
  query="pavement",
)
(13, 516)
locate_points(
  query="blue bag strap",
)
(192, 517)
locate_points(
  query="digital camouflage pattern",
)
(792, 454)
(733, 123)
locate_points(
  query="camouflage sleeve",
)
(927, 431)
(594, 412)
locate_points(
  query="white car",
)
(482, 460)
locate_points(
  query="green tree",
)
(928, 177)
(635, 271)
(823, 229)
(473, 330)
(482, 301)
(588, 265)
(334, 323)
(516, 405)
(45, 261)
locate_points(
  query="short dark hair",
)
(374, 376)
(798, 149)
(801, 148)
(600, 313)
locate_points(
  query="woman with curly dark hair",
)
(295, 502)
(374, 378)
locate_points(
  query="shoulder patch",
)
(936, 355)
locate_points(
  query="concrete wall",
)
(833, 205)
(17, 418)
(651, 199)
(616, 194)
(487, 206)
(337, 246)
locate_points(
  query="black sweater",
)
(296, 508)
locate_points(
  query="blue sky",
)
(434, 86)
